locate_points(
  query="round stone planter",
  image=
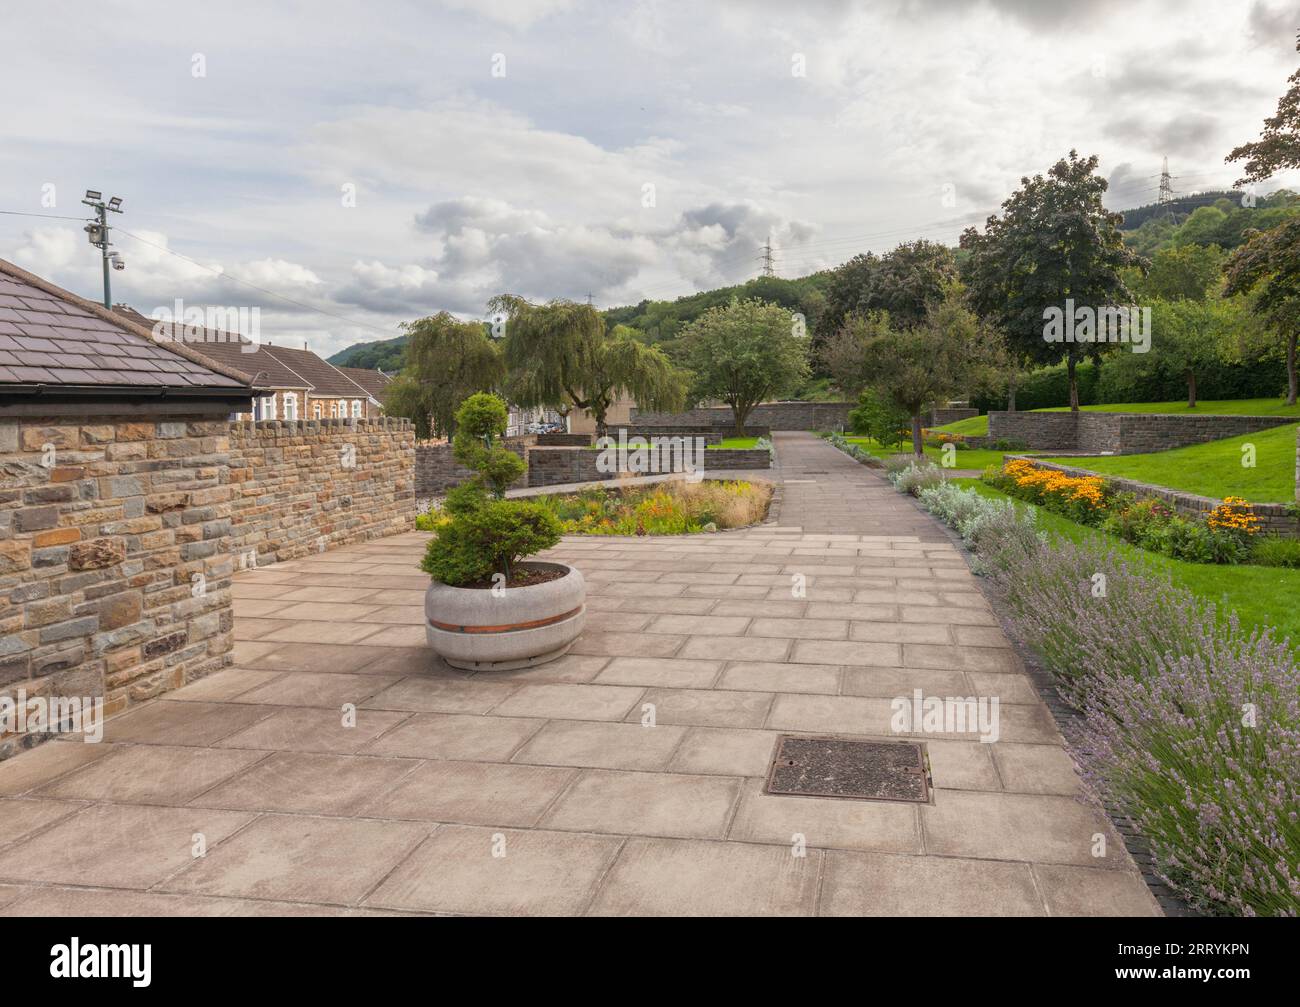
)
(481, 630)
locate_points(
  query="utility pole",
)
(97, 231)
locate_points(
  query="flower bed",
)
(1189, 726)
(1224, 535)
(671, 508)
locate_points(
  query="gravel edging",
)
(1139, 849)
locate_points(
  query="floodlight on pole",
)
(97, 231)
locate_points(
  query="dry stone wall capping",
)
(306, 487)
(1091, 432)
(115, 558)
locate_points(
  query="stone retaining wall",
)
(950, 414)
(115, 558)
(305, 487)
(773, 415)
(564, 440)
(1273, 517)
(436, 469)
(1121, 433)
(554, 466)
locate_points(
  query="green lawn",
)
(1260, 595)
(978, 426)
(1222, 407)
(965, 459)
(737, 442)
(1213, 469)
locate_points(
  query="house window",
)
(356, 408)
(315, 410)
(291, 406)
(265, 409)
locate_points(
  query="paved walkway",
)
(540, 791)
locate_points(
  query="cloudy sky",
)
(374, 162)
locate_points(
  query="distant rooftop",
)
(265, 365)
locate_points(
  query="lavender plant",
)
(1191, 726)
(1202, 755)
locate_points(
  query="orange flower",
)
(1234, 514)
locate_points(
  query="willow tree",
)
(447, 361)
(562, 355)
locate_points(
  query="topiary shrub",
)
(480, 423)
(483, 533)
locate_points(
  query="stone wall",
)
(1038, 431)
(305, 487)
(555, 466)
(1273, 517)
(436, 469)
(773, 415)
(941, 417)
(115, 559)
(711, 435)
(1120, 433)
(564, 440)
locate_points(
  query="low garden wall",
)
(711, 435)
(555, 466)
(1273, 517)
(773, 415)
(1120, 433)
(436, 469)
(564, 440)
(304, 487)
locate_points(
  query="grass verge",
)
(1214, 469)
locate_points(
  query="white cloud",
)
(915, 117)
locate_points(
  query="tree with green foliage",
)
(407, 397)
(661, 322)
(915, 366)
(1183, 272)
(877, 417)
(744, 353)
(1278, 147)
(447, 361)
(906, 282)
(486, 534)
(1055, 240)
(1191, 335)
(1268, 265)
(561, 355)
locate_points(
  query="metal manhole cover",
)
(840, 767)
